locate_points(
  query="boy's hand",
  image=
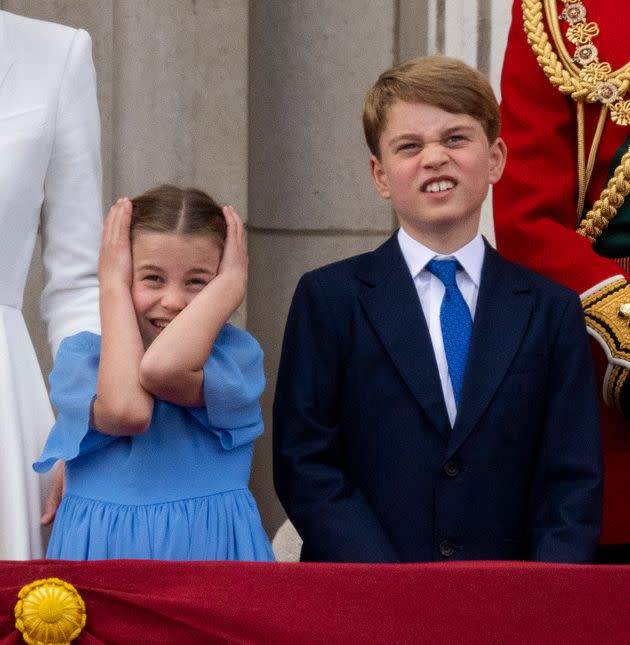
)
(234, 261)
(114, 265)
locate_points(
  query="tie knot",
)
(444, 270)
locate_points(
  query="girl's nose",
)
(173, 299)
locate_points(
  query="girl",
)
(157, 417)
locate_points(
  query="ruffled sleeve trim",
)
(72, 390)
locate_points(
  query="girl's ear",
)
(497, 157)
(379, 176)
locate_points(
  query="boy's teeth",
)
(437, 186)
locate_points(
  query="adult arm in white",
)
(72, 211)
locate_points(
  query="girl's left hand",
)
(234, 261)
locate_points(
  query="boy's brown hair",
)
(170, 209)
(440, 81)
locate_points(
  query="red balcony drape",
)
(134, 601)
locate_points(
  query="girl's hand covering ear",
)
(114, 264)
(234, 261)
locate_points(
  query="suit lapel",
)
(6, 60)
(391, 304)
(504, 307)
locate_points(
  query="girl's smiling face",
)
(169, 270)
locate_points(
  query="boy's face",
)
(436, 168)
(169, 270)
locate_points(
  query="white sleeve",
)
(72, 209)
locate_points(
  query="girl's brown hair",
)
(187, 211)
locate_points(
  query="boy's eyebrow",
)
(459, 128)
(414, 135)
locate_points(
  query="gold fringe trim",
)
(624, 264)
(616, 381)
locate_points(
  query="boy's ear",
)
(497, 156)
(379, 176)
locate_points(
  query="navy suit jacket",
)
(365, 461)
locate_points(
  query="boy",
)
(403, 431)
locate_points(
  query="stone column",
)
(172, 90)
(311, 200)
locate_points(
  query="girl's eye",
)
(198, 282)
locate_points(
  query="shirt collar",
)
(417, 255)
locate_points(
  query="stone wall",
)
(259, 103)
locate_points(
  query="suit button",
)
(452, 468)
(447, 548)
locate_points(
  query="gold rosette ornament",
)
(49, 611)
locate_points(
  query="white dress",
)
(50, 177)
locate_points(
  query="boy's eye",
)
(454, 139)
(410, 145)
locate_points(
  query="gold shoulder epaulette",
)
(607, 311)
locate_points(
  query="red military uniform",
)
(535, 202)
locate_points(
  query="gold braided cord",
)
(565, 75)
(566, 80)
(581, 164)
(556, 72)
(551, 9)
(609, 202)
(597, 137)
(586, 171)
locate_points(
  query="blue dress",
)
(179, 491)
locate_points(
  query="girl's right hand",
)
(114, 266)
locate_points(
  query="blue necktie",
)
(455, 321)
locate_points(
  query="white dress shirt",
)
(431, 291)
